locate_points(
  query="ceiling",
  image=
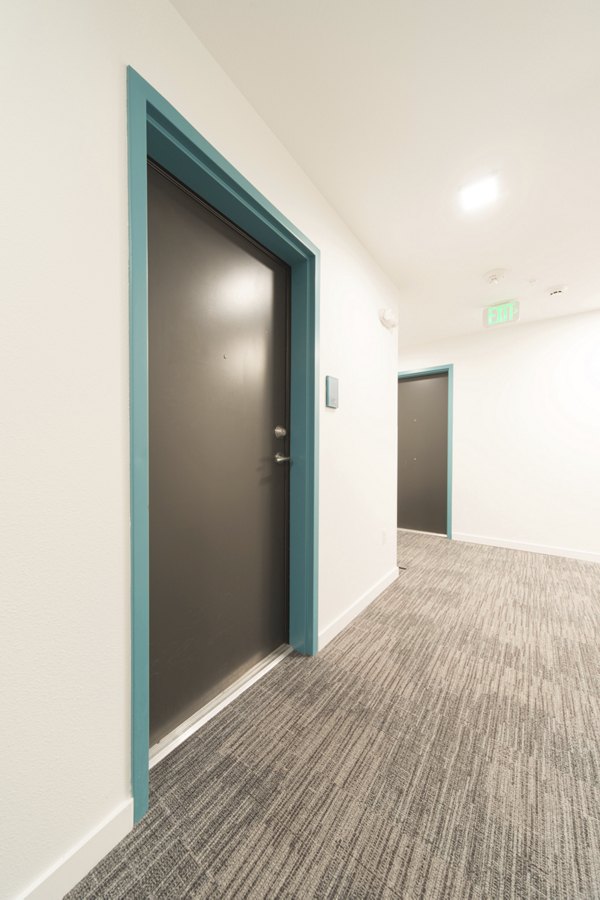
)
(391, 106)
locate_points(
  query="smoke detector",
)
(495, 276)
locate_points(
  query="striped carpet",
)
(445, 745)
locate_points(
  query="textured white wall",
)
(526, 433)
(64, 455)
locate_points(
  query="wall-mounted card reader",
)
(331, 392)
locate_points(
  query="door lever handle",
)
(280, 458)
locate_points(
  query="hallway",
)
(445, 745)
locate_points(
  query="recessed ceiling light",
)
(480, 193)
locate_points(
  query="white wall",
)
(64, 466)
(526, 433)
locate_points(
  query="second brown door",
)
(423, 453)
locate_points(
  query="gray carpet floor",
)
(445, 745)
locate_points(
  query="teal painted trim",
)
(304, 453)
(442, 370)
(450, 445)
(138, 362)
(199, 166)
(156, 129)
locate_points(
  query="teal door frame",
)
(155, 129)
(441, 370)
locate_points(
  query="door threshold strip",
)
(180, 734)
(430, 533)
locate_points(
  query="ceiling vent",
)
(557, 290)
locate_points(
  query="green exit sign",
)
(502, 314)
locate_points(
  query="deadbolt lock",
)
(280, 431)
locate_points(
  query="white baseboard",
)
(587, 555)
(67, 871)
(334, 628)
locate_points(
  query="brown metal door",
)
(423, 453)
(219, 385)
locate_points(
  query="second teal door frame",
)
(156, 130)
(441, 370)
